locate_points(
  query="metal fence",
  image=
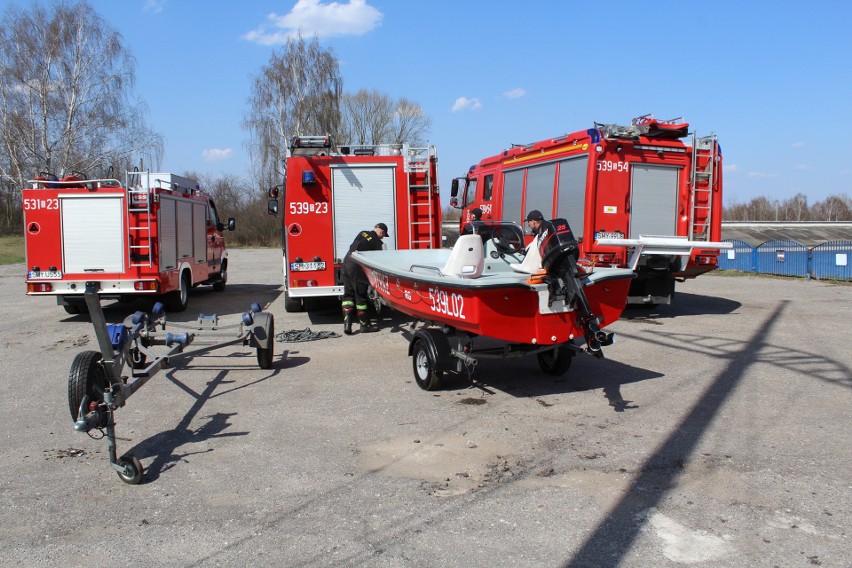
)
(827, 261)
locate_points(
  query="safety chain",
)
(300, 335)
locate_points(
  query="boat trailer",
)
(98, 384)
(437, 349)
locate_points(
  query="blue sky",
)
(773, 79)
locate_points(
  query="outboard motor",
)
(559, 251)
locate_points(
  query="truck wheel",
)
(178, 300)
(87, 378)
(423, 363)
(72, 309)
(556, 362)
(219, 284)
(292, 305)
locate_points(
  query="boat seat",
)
(532, 260)
(467, 259)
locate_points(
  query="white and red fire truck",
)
(641, 182)
(156, 234)
(331, 194)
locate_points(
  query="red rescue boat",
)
(538, 299)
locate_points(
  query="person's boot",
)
(368, 327)
(347, 323)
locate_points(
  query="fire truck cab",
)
(649, 179)
(155, 234)
(330, 194)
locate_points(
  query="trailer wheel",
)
(87, 378)
(423, 363)
(292, 305)
(219, 284)
(133, 470)
(178, 300)
(264, 354)
(556, 362)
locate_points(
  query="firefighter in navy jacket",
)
(355, 283)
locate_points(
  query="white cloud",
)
(797, 144)
(761, 175)
(464, 103)
(217, 154)
(155, 6)
(730, 168)
(310, 17)
(802, 167)
(515, 93)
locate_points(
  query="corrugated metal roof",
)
(808, 233)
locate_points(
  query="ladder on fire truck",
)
(704, 178)
(420, 179)
(139, 221)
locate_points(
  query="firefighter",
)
(535, 219)
(355, 282)
(475, 215)
(482, 230)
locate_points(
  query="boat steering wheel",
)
(506, 240)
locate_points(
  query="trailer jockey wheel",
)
(133, 470)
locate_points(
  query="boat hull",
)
(517, 312)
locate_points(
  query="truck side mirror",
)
(454, 188)
(232, 223)
(272, 207)
(273, 192)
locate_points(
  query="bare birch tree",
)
(372, 117)
(297, 93)
(65, 87)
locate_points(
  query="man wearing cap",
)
(479, 228)
(355, 283)
(537, 226)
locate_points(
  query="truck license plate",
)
(45, 274)
(604, 235)
(302, 266)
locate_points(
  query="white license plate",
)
(602, 235)
(303, 266)
(45, 274)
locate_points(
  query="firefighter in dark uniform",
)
(355, 283)
(481, 229)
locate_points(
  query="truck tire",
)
(178, 300)
(292, 305)
(220, 282)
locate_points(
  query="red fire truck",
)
(652, 183)
(156, 234)
(331, 194)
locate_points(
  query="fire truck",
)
(156, 234)
(330, 194)
(651, 184)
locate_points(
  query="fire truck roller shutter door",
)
(167, 234)
(653, 201)
(541, 182)
(363, 196)
(571, 203)
(92, 234)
